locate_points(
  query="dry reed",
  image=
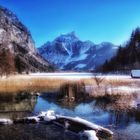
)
(29, 83)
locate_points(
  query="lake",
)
(124, 122)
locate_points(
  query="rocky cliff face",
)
(68, 52)
(16, 40)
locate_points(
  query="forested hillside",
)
(127, 57)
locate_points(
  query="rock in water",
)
(74, 124)
(27, 120)
(16, 41)
(77, 125)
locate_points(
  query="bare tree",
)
(98, 80)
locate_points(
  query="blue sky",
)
(95, 20)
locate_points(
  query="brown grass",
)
(19, 83)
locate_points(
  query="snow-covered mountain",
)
(68, 52)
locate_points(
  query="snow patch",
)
(91, 134)
(36, 119)
(127, 89)
(80, 66)
(6, 121)
(80, 57)
(135, 73)
(1, 30)
(50, 115)
(66, 49)
(94, 56)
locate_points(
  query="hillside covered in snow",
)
(68, 52)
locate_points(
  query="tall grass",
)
(19, 83)
(97, 87)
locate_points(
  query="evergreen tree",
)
(127, 57)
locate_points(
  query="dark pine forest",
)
(127, 57)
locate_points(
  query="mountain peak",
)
(72, 33)
(67, 37)
(68, 52)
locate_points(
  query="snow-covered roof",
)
(135, 73)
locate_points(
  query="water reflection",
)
(35, 132)
(121, 113)
(63, 101)
(69, 95)
(103, 111)
(16, 105)
(131, 132)
(94, 111)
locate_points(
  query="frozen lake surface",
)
(78, 75)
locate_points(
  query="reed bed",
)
(19, 83)
(115, 91)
